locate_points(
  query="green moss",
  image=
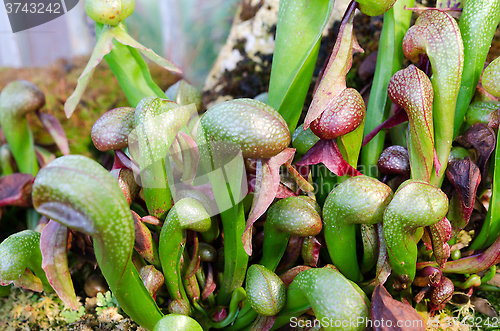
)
(26, 310)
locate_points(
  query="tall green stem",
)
(389, 60)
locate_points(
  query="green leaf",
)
(477, 24)
(17, 100)
(436, 34)
(19, 255)
(389, 60)
(79, 193)
(412, 90)
(331, 296)
(157, 122)
(124, 38)
(103, 47)
(491, 78)
(300, 24)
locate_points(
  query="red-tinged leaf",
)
(436, 34)
(126, 161)
(15, 190)
(442, 293)
(288, 276)
(29, 281)
(471, 264)
(339, 64)
(465, 177)
(292, 253)
(194, 265)
(310, 251)
(429, 276)
(54, 127)
(394, 160)
(399, 117)
(266, 188)
(144, 243)
(54, 247)
(127, 182)
(440, 234)
(411, 89)
(263, 323)
(328, 153)
(111, 131)
(152, 279)
(284, 192)
(482, 138)
(192, 288)
(385, 308)
(209, 283)
(342, 115)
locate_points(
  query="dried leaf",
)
(15, 190)
(483, 306)
(482, 138)
(384, 307)
(333, 81)
(266, 188)
(465, 177)
(303, 184)
(383, 268)
(29, 281)
(370, 246)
